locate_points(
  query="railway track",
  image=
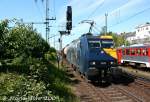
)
(137, 73)
(112, 93)
(141, 88)
(136, 91)
(143, 82)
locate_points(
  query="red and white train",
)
(134, 55)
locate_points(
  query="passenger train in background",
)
(138, 55)
(88, 55)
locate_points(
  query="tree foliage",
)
(21, 40)
(3, 37)
(34, 75)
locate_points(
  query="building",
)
(130, 36)
(140, 36)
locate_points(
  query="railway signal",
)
(69, 19)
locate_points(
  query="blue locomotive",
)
(87, 55)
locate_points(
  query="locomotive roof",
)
(106, 37)
(137, 46)
(90, 36)
(93, 37)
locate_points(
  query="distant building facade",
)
(140, 36)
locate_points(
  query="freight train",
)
(87, 55)
(138, 55)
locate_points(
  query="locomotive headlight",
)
(111, 62)
(92, 63)
(102, 51)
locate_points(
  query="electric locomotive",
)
(87, 55)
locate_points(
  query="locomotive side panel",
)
(71, 54)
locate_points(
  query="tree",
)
(21, 40)
(3, 37)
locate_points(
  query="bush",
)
(29, 71)
(18, 86)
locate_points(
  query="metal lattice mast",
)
(47, 20)
(106, 23)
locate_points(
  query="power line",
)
(93, 12)
(97, 29)
(119, 10)
(130, 17)
(54, 8)
(47, 19)
(96, 9)
(101, 4)
(39, 10)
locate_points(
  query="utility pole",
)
(47, 20)
(106, 23)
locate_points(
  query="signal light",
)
(69, 18)
(69, 25)
(69, 13)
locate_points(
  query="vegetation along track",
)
(133, 92)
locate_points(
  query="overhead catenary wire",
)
(43, 5)
(91, 13)
(39, 10)
(132, 16)
(111, 14)
(97, 29)
(101, 4)
(47, 19)
(54, 8)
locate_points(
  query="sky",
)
(123, 15)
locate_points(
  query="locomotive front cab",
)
(107, 44)
(99, 61)
(93, 46)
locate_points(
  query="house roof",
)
(143, 25)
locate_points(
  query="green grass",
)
(60, 83)
(42, 79)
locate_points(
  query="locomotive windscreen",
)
(94, 44)
(107, 43)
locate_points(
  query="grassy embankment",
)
(25, 73)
